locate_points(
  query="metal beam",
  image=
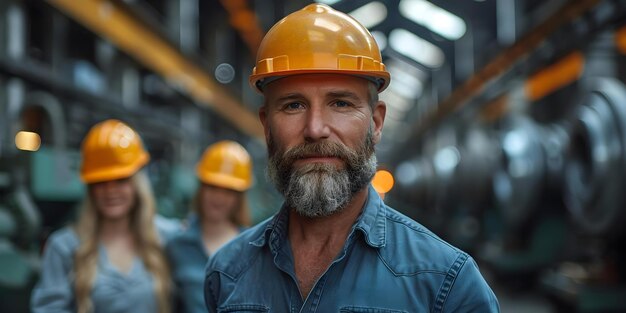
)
(245, 22)
(502, 63)
(46, 79)
(111, 20)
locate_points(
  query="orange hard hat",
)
(318, 39)
(111, 150)
(226, 164)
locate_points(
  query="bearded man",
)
(334, 246)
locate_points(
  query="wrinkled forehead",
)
(319, 84)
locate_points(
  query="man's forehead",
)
(326, 84)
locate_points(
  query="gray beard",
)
(317, 190)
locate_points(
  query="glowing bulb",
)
(27, 141)
(382, 181)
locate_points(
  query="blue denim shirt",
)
(389, 263)
(113, 291)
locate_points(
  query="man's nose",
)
(316, 125)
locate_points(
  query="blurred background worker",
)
(220, 212)
(111, 260)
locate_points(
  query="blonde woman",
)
(111, 260)
(219, 214)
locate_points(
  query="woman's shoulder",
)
(64, 241)
(167, 228)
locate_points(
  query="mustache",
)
(318, 149)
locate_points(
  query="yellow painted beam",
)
(494, 109)
(115, 23)
(555, 76)
(620, 40)
(245, 22)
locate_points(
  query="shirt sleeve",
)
(470, 292)
(53, 292)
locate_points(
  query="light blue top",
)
(389, 263)
(113, 291)
(188, 258)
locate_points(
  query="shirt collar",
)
(274, 228)
(372, 222)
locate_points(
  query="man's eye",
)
(294, 106)
(341, 104)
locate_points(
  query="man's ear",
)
(378, 119)
(263, 118)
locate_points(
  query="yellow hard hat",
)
(318, 39)
(226, 164)
(111, 150)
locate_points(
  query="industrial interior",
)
(505, 131)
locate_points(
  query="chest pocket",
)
(243, 308)
(364, 309)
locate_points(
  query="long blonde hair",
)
(145, 234)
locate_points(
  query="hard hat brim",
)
(257, 80)
(224, 181)
(114, 173)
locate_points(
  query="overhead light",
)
(329, 2)
(397, 107)
(398, 103)
(407, 90)
(515, 142)
(447, 159)
(434, 18)
(370, 14)
(408, 173)
(381, 39)
(406, 84)
(416, 48)
(27, 141)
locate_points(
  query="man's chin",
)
(315, 214)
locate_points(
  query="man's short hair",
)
(372, 91)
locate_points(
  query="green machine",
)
(54, 175)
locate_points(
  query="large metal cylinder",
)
(480, 155)
(596, 161)
(520, 178)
